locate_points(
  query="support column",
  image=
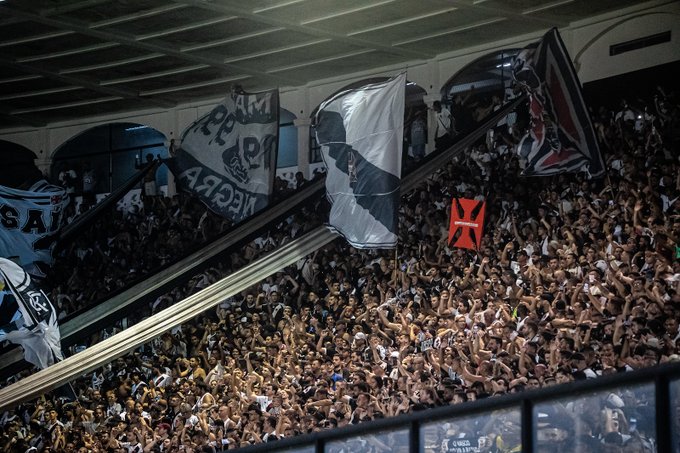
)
(303, 125)
(45, 153)
(45, 166)
(173, 145)
(429, 99)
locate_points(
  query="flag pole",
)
(609, 181)
(396, 261)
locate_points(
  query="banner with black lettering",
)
(228, 157)
(36, 329)
(29, 223)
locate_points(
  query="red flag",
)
(467, 223)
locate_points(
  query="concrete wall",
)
(590, 43)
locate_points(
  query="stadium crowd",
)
(575, 278)
(125, 246)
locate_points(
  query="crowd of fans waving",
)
(575, 278)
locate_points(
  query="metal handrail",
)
(99, 316)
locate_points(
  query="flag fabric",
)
(467, 223)
(228, 157)
(360, 132)
(29, 223)
(37, 329)
(561, 137)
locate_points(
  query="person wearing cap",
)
(580, 368)
(159, 440)
(359, 342)
(543, 295)
(553, 429)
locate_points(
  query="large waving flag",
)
(29, 223)
(35, 326)
(361, 136)
(228, 157)
(561, 136)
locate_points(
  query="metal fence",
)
(632, 411)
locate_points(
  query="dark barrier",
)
(637, 411)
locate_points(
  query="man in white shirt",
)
(161, 377)
(443, 132)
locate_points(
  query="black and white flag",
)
(29, 223)
(360, 132)
(36, 328)
(228, 157)
(561, 137)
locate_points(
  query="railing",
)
(108, 312)
(556, 418)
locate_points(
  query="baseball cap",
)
(614, 401)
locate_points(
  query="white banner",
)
(228, 157)
(29, 223)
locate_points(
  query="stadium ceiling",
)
(63, 60)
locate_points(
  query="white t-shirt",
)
(443, 122)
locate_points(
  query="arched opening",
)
(288, 140)
(287, 159)
(19, 170)
(105, 156)
(479, 88)
(414, 104)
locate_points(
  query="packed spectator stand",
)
(575, 278)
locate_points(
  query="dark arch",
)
(288, 139)
(472, 92)
(490, 73)
(18, 166)
(112, 151)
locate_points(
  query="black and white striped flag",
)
(361, 136)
